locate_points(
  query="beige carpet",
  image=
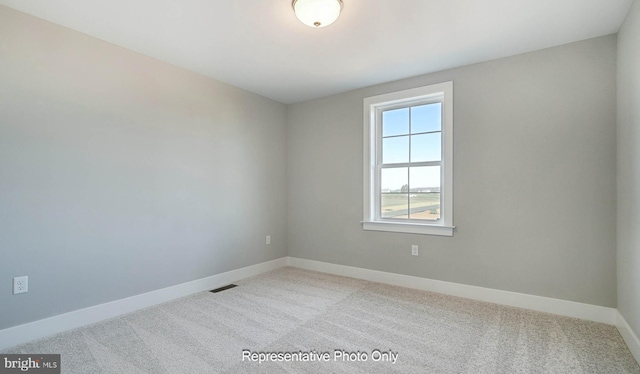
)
(309, 313)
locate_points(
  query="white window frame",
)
(373, 108)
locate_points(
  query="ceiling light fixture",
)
(317, 13)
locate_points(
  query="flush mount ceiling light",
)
(317, 13)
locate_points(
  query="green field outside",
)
(395, 205)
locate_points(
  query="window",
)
(408, 161)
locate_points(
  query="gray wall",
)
(120, 174)
(629, 168)
(534, 179)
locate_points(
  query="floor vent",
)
(224, 288)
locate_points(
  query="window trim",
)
(373, 106)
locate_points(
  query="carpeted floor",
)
(314, 315)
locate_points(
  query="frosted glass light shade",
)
(317, 13)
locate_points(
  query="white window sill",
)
(409, 228)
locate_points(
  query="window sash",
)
(378, 191)
(379, 164)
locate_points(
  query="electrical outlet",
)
(20, 285)
(414, 250)
(268, 240)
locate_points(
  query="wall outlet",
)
(20, 285)
(414, 250)
(268, 240)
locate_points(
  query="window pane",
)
(426, 147)
(395, 150)
(394, 205)
(424, 195)
(425, 206)
(426, 118)
(424, 178)
(394, 185)
(394, 180)
(395, 122)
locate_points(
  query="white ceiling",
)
(260, 46)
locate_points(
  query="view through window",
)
(411, 154)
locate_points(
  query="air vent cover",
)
(224, 288)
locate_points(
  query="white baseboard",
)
(629, 336)
(67, 321)
(542, 304)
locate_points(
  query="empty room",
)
(311, 186)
